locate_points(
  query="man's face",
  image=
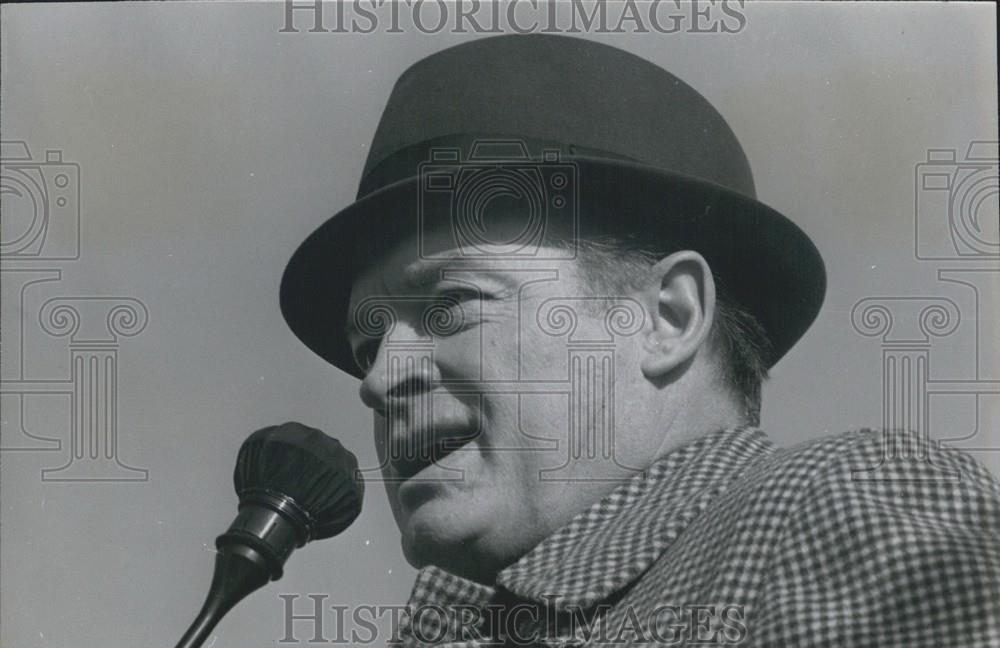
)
(493, 418)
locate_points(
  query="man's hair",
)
(619, 266)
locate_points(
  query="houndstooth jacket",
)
(729, 540)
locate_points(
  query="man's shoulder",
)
(870, 474)
(871, 454)
(876, 516)
(825, 543)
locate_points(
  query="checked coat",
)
(859, 539)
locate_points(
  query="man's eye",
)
(459, 296)
(452, 311)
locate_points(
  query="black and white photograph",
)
(473, 323)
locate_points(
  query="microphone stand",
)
(237, 573)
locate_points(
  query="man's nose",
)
(398, 375)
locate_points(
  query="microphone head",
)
(295, 484)
(314, 471)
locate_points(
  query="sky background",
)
(209, 145)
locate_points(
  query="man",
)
(562, 296)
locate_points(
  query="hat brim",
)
(765, 261)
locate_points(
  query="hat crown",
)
(576, 94)
(649, 156)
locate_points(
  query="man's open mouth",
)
(418, 451)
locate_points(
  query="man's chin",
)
(430, 530)
(449, 539)
(459, 563)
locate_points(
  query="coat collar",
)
(605, 548)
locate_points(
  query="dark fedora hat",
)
(617, 146)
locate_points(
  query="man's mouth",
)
(417, 451)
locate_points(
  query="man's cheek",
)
(459, 356)
(488, 352)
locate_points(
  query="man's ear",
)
(683, 296)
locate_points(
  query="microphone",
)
(295, 484)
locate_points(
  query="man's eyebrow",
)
(424, 275)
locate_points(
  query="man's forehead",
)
(393, 275)
(411, 266)
(397, 274)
